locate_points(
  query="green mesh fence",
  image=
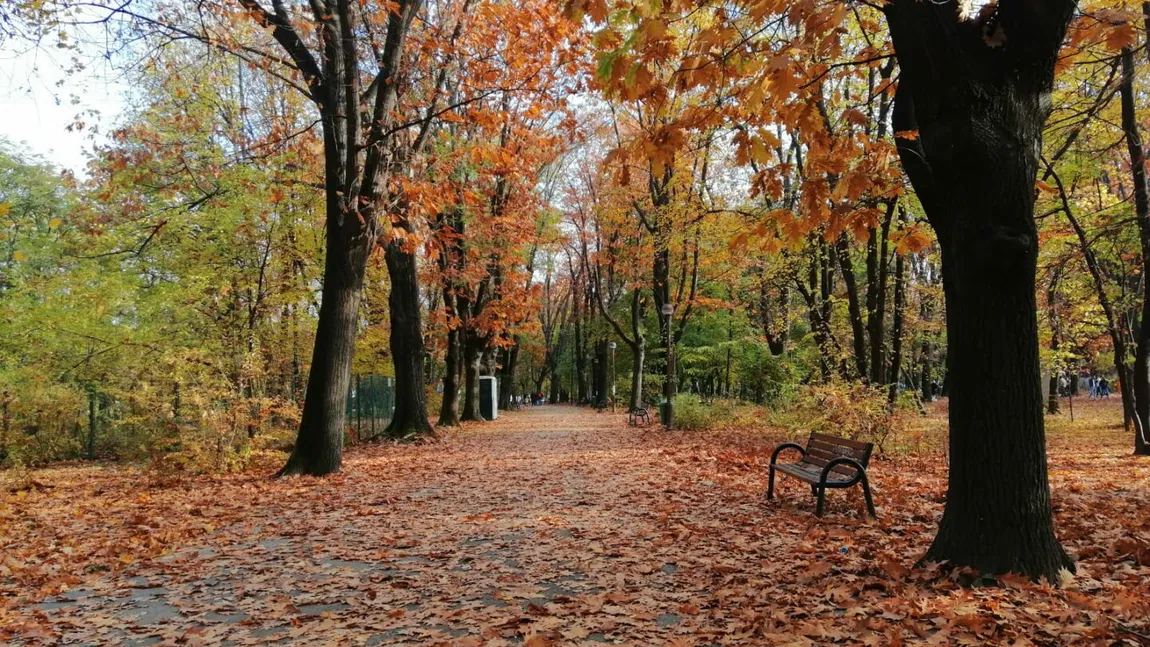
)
(370, 405)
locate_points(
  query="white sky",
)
(35, 111)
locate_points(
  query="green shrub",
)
(694, 414)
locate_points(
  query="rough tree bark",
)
(410, 416)
(452, 363)
(472, 356)
(877, 264)
(897, 327)
(854, 308)
(1133, 135)
(975, 93)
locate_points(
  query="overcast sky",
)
(36, 111)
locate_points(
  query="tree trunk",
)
(319, 444)
(92, 409)
(472, 358)
(662, 290)
(638, 357)
(507, 376)
(1142, 211)
(896, 328)
(814, 312)
(978, 110)
(877, 264)
(553, 396)
(453, 362)
(1052, 315)
(6, 423)
(846, 267)
(776, 339)
(924, 380)
(410, 417)
(1052, 396)
(580, 360)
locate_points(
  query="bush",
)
(849, 409)
(694, 414)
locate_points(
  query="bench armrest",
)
(780, 448)
(860, 471)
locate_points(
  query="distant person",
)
(1104, 388)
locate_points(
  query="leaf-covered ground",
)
(554, 526)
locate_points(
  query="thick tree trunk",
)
(1141, 376)
(410, 417)
(319, 443)
(998, 517)
(553, 395)
(977, 110)
(662, 290)
(452, 365)
(472, 359)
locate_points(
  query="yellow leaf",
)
(18, 256)
(654, 29)
(4, 208)
(54, 223)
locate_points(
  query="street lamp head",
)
(668, 309)
(612, 345)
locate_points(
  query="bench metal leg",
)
(771, 484)
(866, 494)
(822, 493)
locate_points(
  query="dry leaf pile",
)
(554, 526)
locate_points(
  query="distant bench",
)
(826, 462)
(637, 414)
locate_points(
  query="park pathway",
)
(553, 525)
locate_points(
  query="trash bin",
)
(488, 398)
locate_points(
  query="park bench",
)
(827, 462)
(638, 413)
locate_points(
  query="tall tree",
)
(969, 114)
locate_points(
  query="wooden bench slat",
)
(842, 450)
(819, 464)
(811, 474)
(835, 440)
(824, 448)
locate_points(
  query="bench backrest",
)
(822, 449)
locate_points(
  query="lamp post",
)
(611, 346)
(668, 310)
